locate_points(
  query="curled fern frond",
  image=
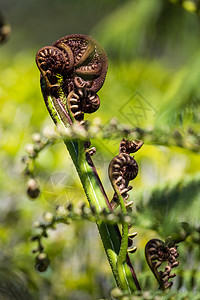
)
(122, 169)
(157, 252)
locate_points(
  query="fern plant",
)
(73, 70)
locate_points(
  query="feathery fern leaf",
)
(172, 202)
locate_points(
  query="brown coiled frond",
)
(73, 68)
(82, 101)
(51, 59)
(128, 147)
(89, 61)
(157, 252)
(124, 168)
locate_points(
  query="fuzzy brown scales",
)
(157, 252)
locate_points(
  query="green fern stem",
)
(115, 246)
(109, 235)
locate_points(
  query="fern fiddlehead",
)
(72, 72)
(82, 101)
(122, 169)
(158, 252)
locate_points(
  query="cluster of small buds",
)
(51, 135)
(67, 213)
(95, 128)
(90, 130)
(75, 131)
(82, 211)
(39, 142)
(48, 217)
(42, 260)
(115, 129)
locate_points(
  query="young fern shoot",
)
(73, 70)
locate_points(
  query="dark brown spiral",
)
(51, 61)
(122, 169)
(82, 101)
(89, 60)
(78, 58)
(158, 252)
(128, 147)
(74, 67)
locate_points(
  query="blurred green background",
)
(153, 50)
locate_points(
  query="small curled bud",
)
(116, 293)
(36, 224)
(97, 122)
(50, 133)
(112, 218)
(157, 253)
(33, 189)
(114, 122)
(36, 138)
(61, 210)
(127, 219)
(42, 262)
(78, 130)
(48, 217)
(30, 149)
(66, 132)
